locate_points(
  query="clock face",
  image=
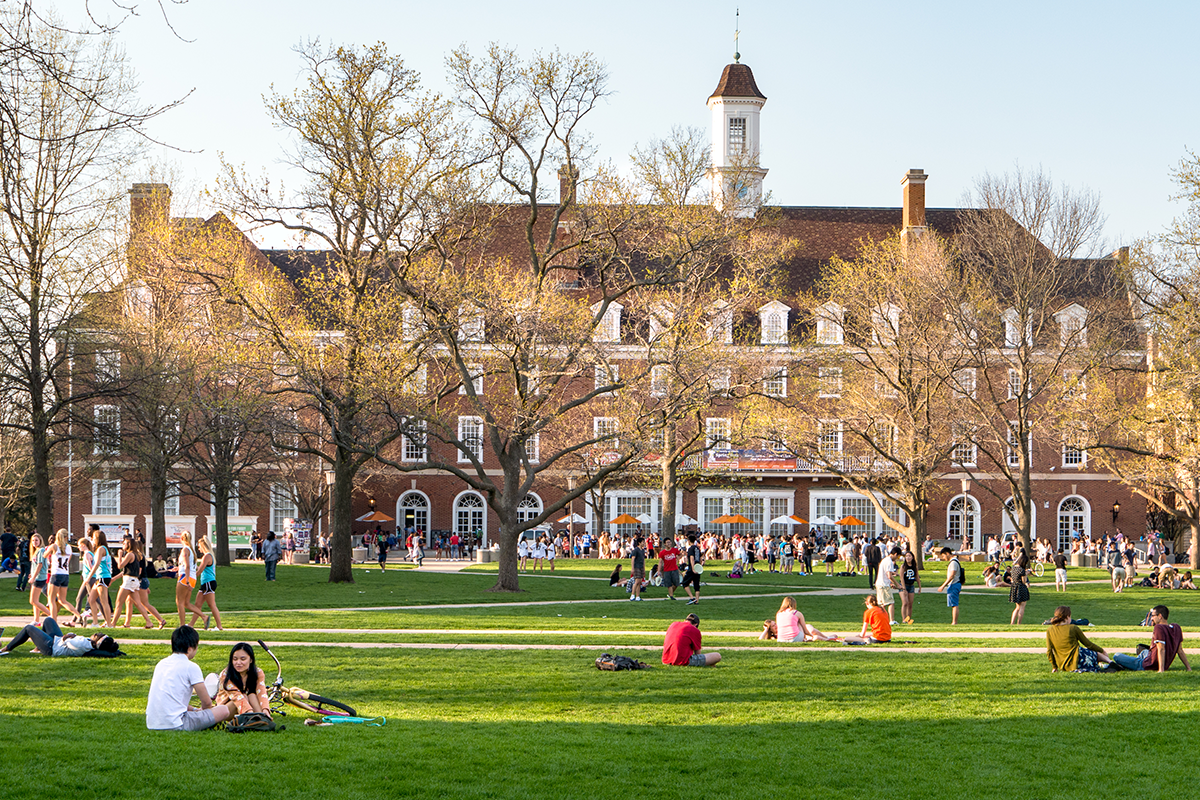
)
(743, 190)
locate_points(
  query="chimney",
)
(913, 218)
(149, 207)
(568, 177)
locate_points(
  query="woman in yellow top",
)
(1068, 649)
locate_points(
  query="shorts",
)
(693, 578)
(830, 559)
(60, 580)
(671, 578)
(106, 581)
(638, 574)
(587, 551)
(197, 719)
(885, 595)
(382, 556)
(188, 582)
(789, 561)
(952, 595)
(910, 588)
(144, 584)
(130, 583)
(697, 660)
(40, 584)
(1118, 573)
(873, 640)
(1060, 576)
(208, 587)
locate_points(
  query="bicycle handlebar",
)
(278, 666)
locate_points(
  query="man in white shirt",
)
(176, 677)
(886, 583)
(993, 549)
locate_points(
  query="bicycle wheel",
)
(1038, 569)
(317, 704)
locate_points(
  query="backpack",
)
(962, 573)
(618, 663)
(254, 721)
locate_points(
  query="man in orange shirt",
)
(875, 619)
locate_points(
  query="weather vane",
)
(737, 29)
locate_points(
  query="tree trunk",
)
(670, 482)
(341, 520)
(221, 504)
(43, 497)
(158, 520)
(1194, 546)
(915, 533)
(507, 579)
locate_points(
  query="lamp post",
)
(968, 526)
(1116, 511)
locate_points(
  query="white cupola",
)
(736, 176)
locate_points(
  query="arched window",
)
(962, 517)
(1008, 526)
(529, 507)
(1074, 521)
(412, 511)
(470, 516)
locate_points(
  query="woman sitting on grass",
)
(991, 577)
(1187, 582)
(789, 626)
(243, 682)
(1068, 649)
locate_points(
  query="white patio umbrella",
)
(645, 519)
(575, 519)
(785, 520)
(684, 519)
(823, 520)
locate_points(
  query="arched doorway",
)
(962, 517)
(1074, 521)
(412, 511)
(470, 516)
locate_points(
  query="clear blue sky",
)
(1103, 95)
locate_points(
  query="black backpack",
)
(610, 663)
(962, 573)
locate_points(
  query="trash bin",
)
(299, 558)
(483, 556)
(358, 554)
(1076, 559)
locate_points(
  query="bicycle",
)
(278, 696)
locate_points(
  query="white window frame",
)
(1011, 455)
(234, 507)
(417, 381)
(829, 381)
(607, 426)
(961, 457)
(106, 489)
(470, 324)
(171, 500)
(108, 366)
(411, 323)
(885, 324)
(533, 448)
(414, 450)
(737, 134)
(1075, 384)
(106, 437)
(283, 506)
(830, 321)
(1072, 325)
(660, 375)
(465, 435)
(609, 327)
(775, 381)
(717, 431)
(965, 381)
(829, 431)
(607, 375)
(1073, 455)
(720, 323)
(1012, 336)
(773, 323)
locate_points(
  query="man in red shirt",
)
(681, 647)
(875, 619)
(1165, 643)
(668, 565)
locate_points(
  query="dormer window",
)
(410, 323)
(609, 327)
(737, 134)
(661, 317)
(1012, 329)
(1072, 326)
(773, 318)
(885, 324)
(829, 324)
(720, 325)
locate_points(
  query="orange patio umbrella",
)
(799, 519)
(736, 519)
(625, 519)
(375, 516)
(849, 520)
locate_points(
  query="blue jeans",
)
(1129, 662)
(42, 638)
(271, 562)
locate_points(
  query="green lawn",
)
(537, 724)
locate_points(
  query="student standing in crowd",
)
(208, 585)
(272, 551)
(1019, 593)
(59, 557)
(186, 580)
(40, 568)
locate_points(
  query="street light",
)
(1116, 511)
(371, 502)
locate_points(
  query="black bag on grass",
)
(254, 721)
(618, 663)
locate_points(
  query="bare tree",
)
(69, 125)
